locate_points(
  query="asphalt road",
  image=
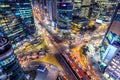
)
(85, 76)
(67, 68)
(54, 36)
(71, 75)
(69, 72)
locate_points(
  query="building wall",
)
(16, 20)
(64, 15)
(113, 68)
(26, 15)
(111, 37)
(9, 62)
(51, 6)
(10, 23)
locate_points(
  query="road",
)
(69, 72)
(56, 43)
(54, 36)
(61, 49)
(85, 76)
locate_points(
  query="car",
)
(79, 73)
(41, 68)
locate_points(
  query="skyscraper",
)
(9, 62)
(16, 20)
(112, 70)
(25, 11)
(64, 16)
(110, 48)
(112, 33)
(51, 6)
(10, 23)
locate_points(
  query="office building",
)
(112, 70)
(9, 62)
(111, 39)
(51, 6)
(10, 24)
(16, 19)
(76, 7)
(64, 16)
(25, 11)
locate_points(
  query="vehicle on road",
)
(79, 73)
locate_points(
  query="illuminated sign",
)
(99, 21)
(65, 5)
(109, 53)
(111, 37)
(2, 5)
(8, 60)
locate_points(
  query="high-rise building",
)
(9, 62)
(76, 7)
(16, 20)
(64, 16)
(25, 11)
(10, 24)
(112, 71)
(51, 6)
(111, 42)
(113, 32)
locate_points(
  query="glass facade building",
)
(10, 24)
(110, 48)
(9, 62)
(51, 9)
(64, 15)
(25, 11)
(112, 33)
(16, 20)
(112, 70)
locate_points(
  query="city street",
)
(56, 42)
(59, 50)
(69, 72)
(59, 40)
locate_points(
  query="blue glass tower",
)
(16, 19)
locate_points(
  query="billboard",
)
(111, 37)
(109, 53)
